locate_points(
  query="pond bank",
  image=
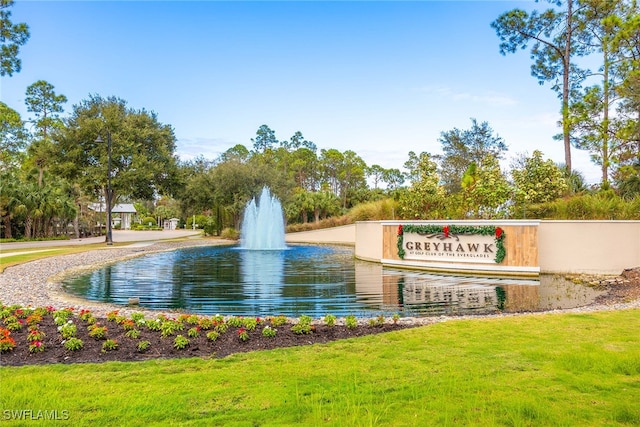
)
(37, 283)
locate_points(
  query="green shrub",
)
(192, 319)
(537, 211)
(205, 323)
(168, 327)
(148, 221)
(138, 318)
(605, 205)
(243, 334)
(180, 342)
(373, 211)
(210, 227)
(221, 328)
(201, 221)
(73, 344)
(109, 345)
(230, 233)
(133, 334)
(12, 325)
(278, 320)
(154, 325)
(350, 321)
(268, 332)
(250, 323)
(334, 221)
(632, 209)
(330, 320)
(68, 330)
(143, 346)
(98, 332)
(235, 321)
(579, 208)
(303, 326)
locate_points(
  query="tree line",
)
(53, 166)
(600, 109)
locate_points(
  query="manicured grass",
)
(548, 369)
(32, 254)
(7, 260)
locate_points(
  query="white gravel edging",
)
(38, 284)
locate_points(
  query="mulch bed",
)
(227, 343)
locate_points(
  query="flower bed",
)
(49, 335)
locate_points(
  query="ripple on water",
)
(311, 280)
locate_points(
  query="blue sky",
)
(378, 78)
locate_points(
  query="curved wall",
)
(344, 235)
(532, 246)
(601, 247)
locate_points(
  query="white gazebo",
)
(125, 212)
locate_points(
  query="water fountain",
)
(263, 224)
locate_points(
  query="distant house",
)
(124, 211)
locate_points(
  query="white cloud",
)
(209, 148)
(491, 98)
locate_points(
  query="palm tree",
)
(8, 204)
(30, 207)
(325, 203)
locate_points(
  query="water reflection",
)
(262, 269)
(423, 294)
(312, 280)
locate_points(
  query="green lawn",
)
(548, 369)
(12, 257)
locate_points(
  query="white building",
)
(124, 213)
(171, 224)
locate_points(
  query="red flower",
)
(9, 341)
(498, 232)
(446, 230)
(400, 230)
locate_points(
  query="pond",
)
(310, 280)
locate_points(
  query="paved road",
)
(119, 236)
